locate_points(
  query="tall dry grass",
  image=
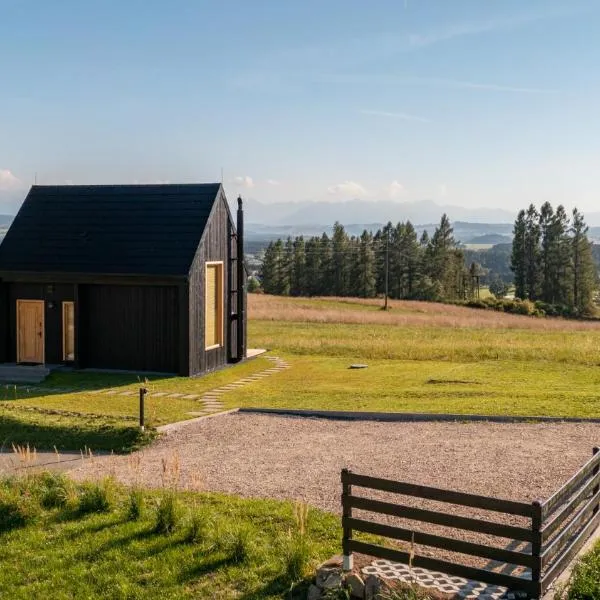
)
(404, 313)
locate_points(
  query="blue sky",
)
(468, 102)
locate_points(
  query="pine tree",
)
(441, 260)
(585, 277)
(412, 253)
(273, 273)
(365, 267)
(341, 274)
(268, 269)
(532, 254)
(548, 251)
(518, 260)
(563, 268)
(298, 272)
(326, 281)
(313, 267)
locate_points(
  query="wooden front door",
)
(30, 331)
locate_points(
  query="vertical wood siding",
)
(129, 327)
(53, 294)
(4, 322)
(216, 246)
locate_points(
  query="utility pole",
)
(387, 267)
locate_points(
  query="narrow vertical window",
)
(68, 315)
(213, 306)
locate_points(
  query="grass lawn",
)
(98, 421)
(585, 581)
(239, 550)
(423, 357)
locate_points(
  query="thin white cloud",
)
(395, 189)
(442, 190)
(395, 115)
(8, 181)
(492, 87)
(273, 182)
(244, 181)
(394, 80)
(348, 189)
(456, 30)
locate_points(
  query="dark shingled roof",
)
(109, 229)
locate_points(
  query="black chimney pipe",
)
(241, 285)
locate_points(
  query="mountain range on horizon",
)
(311, 217)
(420, 212)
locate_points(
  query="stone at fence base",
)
(372, 587)
(330, 581)
(356, 585)
(314, 592)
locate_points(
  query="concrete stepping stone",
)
(190, 397)
(157, 394)
(127, 393)
(174, 395)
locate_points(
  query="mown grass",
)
(44, 431)
(64, 553)
(75, 420)
(545, 367)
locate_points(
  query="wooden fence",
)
(558, 528)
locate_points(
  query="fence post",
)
(348, 560)
(594, 473)
(142, 394)
(536, 546)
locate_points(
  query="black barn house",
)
(135, 277)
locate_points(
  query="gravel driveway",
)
(297, 458)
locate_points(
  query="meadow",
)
(423, 357)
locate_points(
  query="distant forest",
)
(426, 268)
(436, 267)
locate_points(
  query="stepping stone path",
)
(211, 400)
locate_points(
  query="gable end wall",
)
(216, 245)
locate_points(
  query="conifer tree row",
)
(342, 265)
(552, 259)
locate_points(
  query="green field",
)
(54, 548)
(448, 359)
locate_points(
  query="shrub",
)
(168, 513)
(135, 504)
(477, 303)
(297, 556)
(55, 490)
(17, 509)
(97, 497)
(198, 527)
(237, 542)
(498, 287)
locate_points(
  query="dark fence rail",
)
(558, 528)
